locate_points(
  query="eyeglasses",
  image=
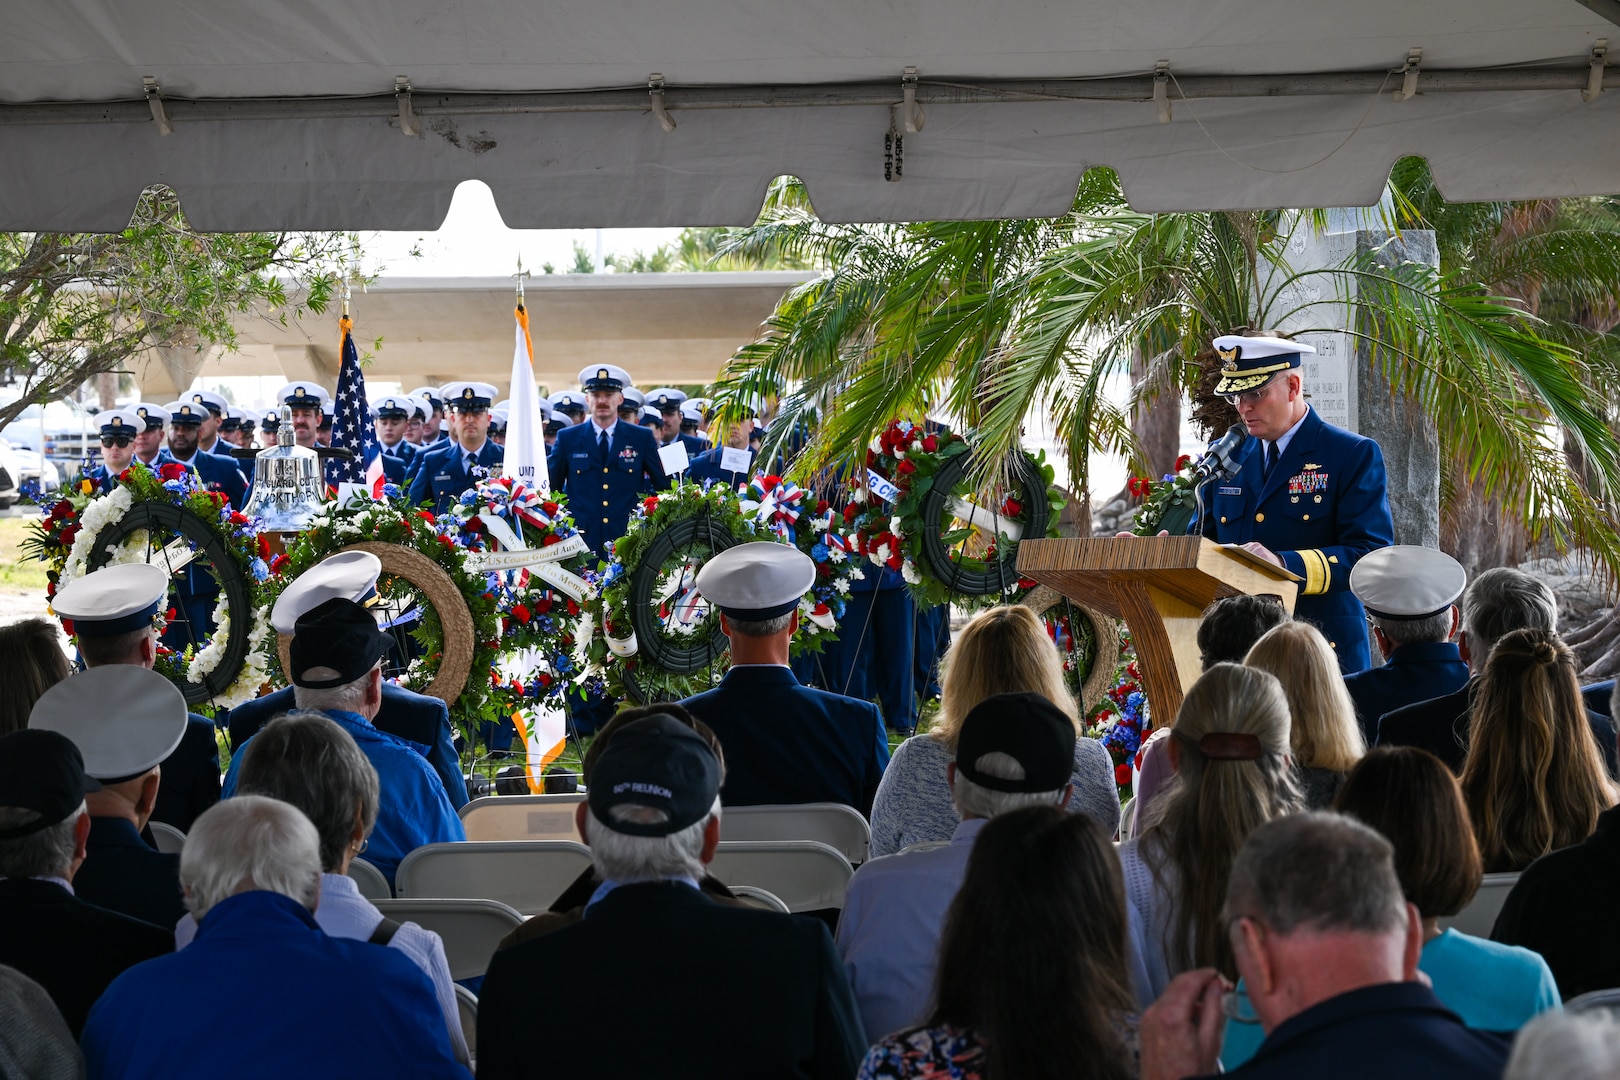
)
(1250, 398)
(120, 441)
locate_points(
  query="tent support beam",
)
(425, 105)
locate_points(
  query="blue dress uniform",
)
(441, 474)
(603, 489)
(706, 467)
(1324, 506)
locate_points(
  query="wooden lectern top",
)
(1194, 569)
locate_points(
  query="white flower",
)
(858, 495)
(894, 527)
(855, 574)
(880, 554)
(836, 555)
(875, 446)
(842, 585)
(899, 453)
(908, 570)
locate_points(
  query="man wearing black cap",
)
(1014, 750)
(711, 991)
(71, 948)
(335, 652)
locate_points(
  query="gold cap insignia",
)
(601, 373)
(1229, 357)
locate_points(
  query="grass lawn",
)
(18, 572)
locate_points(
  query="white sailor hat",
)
(424, 406)
(249, 422)
(123, 718)
(303, 395)
(1405, 582)
(1247, 362)
(152, 415)
(757, 581)
(113, 600)
(184, 412)
(648, 413)
(604, 377)
(467, 396)
(216, 402)
(701, 404)
(429, 394)
(633, 398)
(395, 407)
(692, 413)
(568, 399)
(666, 398)
(122, 422)
(351, 575)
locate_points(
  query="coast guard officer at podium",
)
(1308, 496)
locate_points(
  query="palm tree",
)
(990, 320)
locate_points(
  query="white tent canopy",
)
(283, 113)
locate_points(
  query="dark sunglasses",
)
(120, 441)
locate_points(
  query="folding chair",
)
(467, 1006)
(373, 886)
(471, 929)
(805, 874)
(1480, 915)
(838, 826)
(522, 817)
(169, 839)
(526, 874)
(1591, 1000)
(760, 894)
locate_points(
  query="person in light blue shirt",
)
(1410, 796)
(335, 651)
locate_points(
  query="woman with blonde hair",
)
(1002, 650)
(1533, 779)
(1323, 731)
(31, 662)
(1229, 748)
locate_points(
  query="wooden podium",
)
(1160, 586)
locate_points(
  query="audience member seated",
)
(1567, 1046)
(335, 653)
(71, 948)
(569, 908)
(1410, 594)
(418, 719)
(1001, 651)
(708, 990)
(1328, 949)
(125, 721)
(1325, 739)
(114, 614)
(309, 762)
(1227, 631)
(785, 742)
(31, 662)
(35, 1043)
(1229, 748)
(1497, 603)
(1012, 751)
(1412, 799)
(1562, 906)
(1026, 988)
(1533, 779)
(262, 992)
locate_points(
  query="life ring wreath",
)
(85, 531)
(454, 666)
(913, 510)
(533, 559)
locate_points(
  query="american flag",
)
(351, 425)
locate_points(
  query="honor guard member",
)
(1308, 496)
(497, 423)
(707, 465)
(154, 423)
(668, 401)
(306, 400)
(604, 466)
(413, 425)
(571, 403)
(418, 719)
(323, 434)
(119, 430)
(784, 742)
(653, 421)
(249, 422)
(1411, 595)
(389, 417)
(230, 430)
(126, 721)
(114, 612)
(269, 424)
(433, 424)
(444, 472)
(634, 401)
(208, 440)
(217, 473)
(692, 422)
(555, 422)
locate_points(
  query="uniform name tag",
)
(1230, 491)
(442, 476)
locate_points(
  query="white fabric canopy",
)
(304, 160)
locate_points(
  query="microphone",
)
(1221, 457)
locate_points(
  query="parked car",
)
(65, 431)
(26, 467)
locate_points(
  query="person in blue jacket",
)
(442, 474)
(668, 401)
(707, 465)
(605, 466)
(1308, 496)
(217, 473)
(119, 430)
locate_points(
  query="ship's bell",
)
(287, 482)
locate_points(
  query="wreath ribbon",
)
(774, 502)
(986, 521)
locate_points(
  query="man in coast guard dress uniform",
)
(119, 430)
(1308, 496)
(441, 474)
(604, 466)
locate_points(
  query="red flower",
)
(550, 508)
(67, 627)
(543, 606)
(543, 679)
(446, 541)
(820, 609)
(522, 614)
(238, 518)
(871, 458)
(264, 546)
(849, 514)
(279, 563)
(50, 589)
(1012, 507)
(473, 525)
(549, 539)
(125, 474)
(822, 506)
(649, 504)
(906, 467)
(1182, 462)
(68, 535)
(425, 515)
(494, 678)
(171, 470)
(1027, 583)
(61, 511)
(1122, 775)
(170, 615)
(219, 497)
(930, 443)
(573, 608)
(1139, 486)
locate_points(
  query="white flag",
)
(525, 459)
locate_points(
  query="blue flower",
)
(563, 663)
(819, 552)
(174, 486)
(261, 572)
(392, 491)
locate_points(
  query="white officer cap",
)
(568, 399)
(120, 422)
(604, 377)
(701, 404)
(351, 575)
(633, 398)
(216, 402)
(152, 415)
(1405, 582)
(688, 412)
(395, 406)
(650, 413)
(467, 396)
(123, 718)
(328, 411)
(757, 581)
(544, 402)
(424, 406)
(271, 420)
(303, 395)
(502, 408)
(429, 394)
(665, 397)
(1248, 362)
(233, 419)
(184, 412)
(113, 600)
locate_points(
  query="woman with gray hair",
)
(310, 762)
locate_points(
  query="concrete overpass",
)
(665, 329)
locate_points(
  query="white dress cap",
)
(215, 401)
(568, 399)
(1405, 582)
(123, 718)
(113, 600)
(633, 397)
(151, 413)
(665, 397)
(120, 422)
(351, 575)
(303, 395)
(604, 377)
(467, 395)
(757, 581)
